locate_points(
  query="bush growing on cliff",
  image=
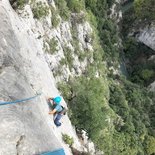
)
(68, 56)
(67, 139)
(55, 20)
(75, 5)
(63, 9)
(65, 89)
(40, 10)
(146, 74)
(53, 45)
(18, 4)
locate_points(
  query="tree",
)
(88, 105)
(145, 9)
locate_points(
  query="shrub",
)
(63, 9)
(53, 44)
(75, 44)
(65, 89)
(75, 5)
(91, 18)
(55, 20)
(18, 4)
(40, 10)
(147, 74)
(68, 56)
(67, 139)
(21, 3)
(150, 143)
(82, 55)
(110, 2)
(145, 9)
(63, 61)
(91, 4)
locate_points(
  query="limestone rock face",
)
(147, 36)
(27, 128)
(23, 128)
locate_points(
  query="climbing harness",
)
(21, 100)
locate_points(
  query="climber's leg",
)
(57, 120)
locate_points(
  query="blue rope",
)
(55, 152)
(22, 100)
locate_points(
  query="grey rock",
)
(23, 129)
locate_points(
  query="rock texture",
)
(26, 128)
(19, 121)
(147, 36)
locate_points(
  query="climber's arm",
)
(50, 99)
(53, 111)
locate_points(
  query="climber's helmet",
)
(57, 100)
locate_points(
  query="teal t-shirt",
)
(58, 107)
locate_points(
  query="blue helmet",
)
(57, 99)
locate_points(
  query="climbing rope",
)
(55, 152)
(21, 100)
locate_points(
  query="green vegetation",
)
(146, 74)
(129, 21)
(66, 89)
(75, 5)
(82, 55)
(145, 9)
(117, 114)
(53, 45)
(40, 10)
(68, 56)
(138, 15)
(122, 127)
(141, 70)
(107, 28)
(87, 104)
(67, 139)
(21, 3)
(55, 20)
(137, 113)
(150, 143)
(63, 9)
(18, 4)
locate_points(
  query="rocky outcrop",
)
(147, 36)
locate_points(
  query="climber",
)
(57, 110)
